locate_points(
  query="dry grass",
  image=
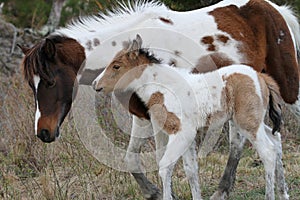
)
(30, 169)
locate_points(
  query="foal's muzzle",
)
(95, 87)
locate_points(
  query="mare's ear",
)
(49, 48)
(24, 49)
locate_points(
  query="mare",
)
(253, 32)
(180, 102)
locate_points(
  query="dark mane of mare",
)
(38, 59)
(56, 61)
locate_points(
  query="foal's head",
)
(50, 67)
(126, 66)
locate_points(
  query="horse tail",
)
(274, 102)
(291, 20)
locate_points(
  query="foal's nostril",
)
(95, 86)
(98, 90)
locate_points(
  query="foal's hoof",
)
(155, 195)
(158, 196)
(218, 195)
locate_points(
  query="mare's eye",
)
(116, 67)
(51, 84)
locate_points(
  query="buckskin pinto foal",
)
(253, 32)
(180, 102)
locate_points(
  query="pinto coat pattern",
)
(180, 102)
(253, 32)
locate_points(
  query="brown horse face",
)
(50, 68)
(53, 102)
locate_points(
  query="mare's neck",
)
(93, 30)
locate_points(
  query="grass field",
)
(30, 169)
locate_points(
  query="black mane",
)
(150, 56)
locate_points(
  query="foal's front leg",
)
(141, 130)
(190, 165)
(178, 145)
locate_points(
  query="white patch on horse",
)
(36, 80)
(94, 84)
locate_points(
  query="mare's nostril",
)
(44, 135)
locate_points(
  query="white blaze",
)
(36, 80)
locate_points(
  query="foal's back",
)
(235, 92)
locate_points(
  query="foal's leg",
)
(177, 145)
(267, 151)
(227, 181)
(190, 165)
(295, 107)
(279, 170)
(210, 140)
(141, 129)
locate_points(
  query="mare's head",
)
(50, 67)
(126, 66)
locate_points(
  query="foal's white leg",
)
(190, 165)
(268, 153)
(210, 140)
(141, 129)
(295, 108)
(279, 170)
(176, 147)
(161, 140)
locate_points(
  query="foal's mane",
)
(150, 56)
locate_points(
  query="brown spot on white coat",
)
(89, 45)
(212, 62)
(222, 38)
(96, 42)
(158, 111)
(209, 41)
(167, 21)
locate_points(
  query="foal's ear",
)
(139, 41)
(49, 48)
(24, 49)
(136, 46)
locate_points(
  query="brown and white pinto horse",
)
(253, 32)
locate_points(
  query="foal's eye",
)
(116, 67)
